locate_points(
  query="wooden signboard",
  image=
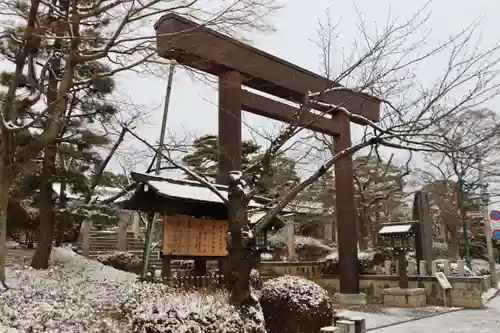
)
(187, 236)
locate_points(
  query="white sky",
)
(193, 108)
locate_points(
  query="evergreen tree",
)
(70, 155)
(203, 160)
(111, 179)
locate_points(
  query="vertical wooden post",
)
(346, 209)
(403, 275)
(230, 149)
(86, 226)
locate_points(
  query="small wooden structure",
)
(399, 235)
(195, 220)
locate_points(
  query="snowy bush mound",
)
(154, 308)
(306, 248)
(292, 304)
(80, 295)
(367, 260)
(124, 261)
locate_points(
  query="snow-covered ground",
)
(471, 321)
(80, 295)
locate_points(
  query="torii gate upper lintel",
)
(237, 64)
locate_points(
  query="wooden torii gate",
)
(237, 64)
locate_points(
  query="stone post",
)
(412, 267)
(434, 267)
(85, 231)
(136, 224)
(328, 223)
(346, 326)
(388, 267)
(422, 265)
(121, 243)
(290, 238)
(446, 268)
(461, 268)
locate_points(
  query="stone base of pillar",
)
(350, 299)
(405, 297)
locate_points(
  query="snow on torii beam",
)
(238, 64)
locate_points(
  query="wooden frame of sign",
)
(185, 236)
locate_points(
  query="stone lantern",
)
(399, 236)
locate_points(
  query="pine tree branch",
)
(179, 166)
(98, 175)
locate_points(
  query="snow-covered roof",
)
(395, 229)
(100, 193)
(186, 189)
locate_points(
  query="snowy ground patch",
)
(80, 295)
(386, 316)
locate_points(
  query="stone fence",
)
(466, 290)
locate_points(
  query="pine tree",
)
(69, 156)
(203, 160)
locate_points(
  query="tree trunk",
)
(240, 256)
(454, 246)
(4, 199)
(61, 220)
(363, 234)
(46, 228)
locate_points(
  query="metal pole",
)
(487, 225)
(161, 143)
(463, 216)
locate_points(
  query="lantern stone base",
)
(405, 297)
(350, 299)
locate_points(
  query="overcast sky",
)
(193, 108)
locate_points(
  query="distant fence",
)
(314, 269)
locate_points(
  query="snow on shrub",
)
(255, 279)
(81, 295)
(367, 261)
(124, 261)
(155, 308)
(306, 248)
(292, 304)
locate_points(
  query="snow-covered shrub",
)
(292, 304)
(124, 261)
(306, 248)
(81, 295)
(154, 308)
(367, 262)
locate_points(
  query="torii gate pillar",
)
(230, 147)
